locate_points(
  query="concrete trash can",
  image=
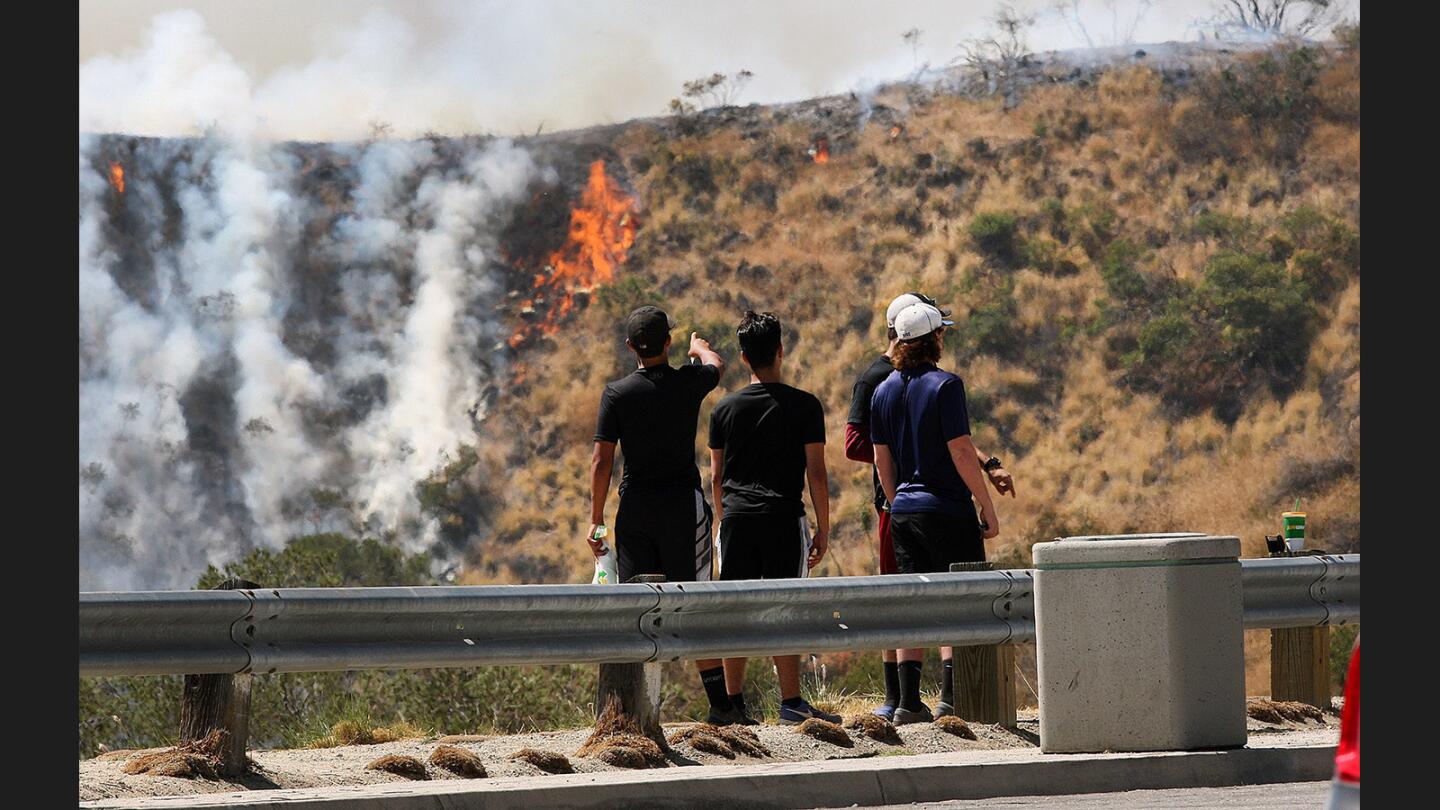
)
(1140, 643)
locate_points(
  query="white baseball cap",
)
(906, 300)
(919, 320)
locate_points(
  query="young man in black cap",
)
(766, 440)
(662, 525)
(931, 471)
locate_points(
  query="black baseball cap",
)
(647, 328)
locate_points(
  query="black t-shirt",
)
(652, 414)
(763, 429)
(860, 395)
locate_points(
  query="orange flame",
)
(602, 229)
(821, 150)
(117, 177)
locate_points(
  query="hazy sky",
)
(326, 68)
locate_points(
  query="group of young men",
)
(767, 442)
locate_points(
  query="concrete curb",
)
(833, 783)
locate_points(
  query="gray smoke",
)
(246, 340)
(464, 67)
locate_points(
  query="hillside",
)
(1156, 285)
(1153, 260)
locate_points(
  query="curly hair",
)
(919, 352)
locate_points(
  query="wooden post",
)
(1300, 658)
(635, 686)
(985, 676)
(211, 702)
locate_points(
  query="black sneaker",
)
(795, 715)
(943, 709)
(904, 716)
(729, 717)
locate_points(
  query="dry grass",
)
(727, 741)
(825, 731)
(876, 728)
(451, 739)
(619, 740)
(351, 732)
(408, 767)
(547, 761)
(458, 761)
(954, 725)
(1279, 711)
(198, 759)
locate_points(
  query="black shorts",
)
(663, 532)
(927, 542)
(763, 547)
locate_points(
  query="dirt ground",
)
(103, 777)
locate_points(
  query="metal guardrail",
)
(331, 629)
(1301, 591)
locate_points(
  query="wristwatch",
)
(992, 463)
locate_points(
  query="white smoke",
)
(466, 67)
(185, 296)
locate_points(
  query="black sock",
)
(738, 701)
(714, 681)
(910, 686)
(947, 681)
(892, 684)
(792, 702)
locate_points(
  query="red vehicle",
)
(1345, 787)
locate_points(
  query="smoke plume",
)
(267, 328)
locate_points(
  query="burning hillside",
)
(305, 338)
(602, 229)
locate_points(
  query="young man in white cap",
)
(929, 469)
(858, 448)
(662, 525)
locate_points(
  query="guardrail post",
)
(1300, 658)
(635, 686)
(211, 702)
(985, 675)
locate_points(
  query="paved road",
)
(1292, 796)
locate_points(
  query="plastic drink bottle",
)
(606, 572)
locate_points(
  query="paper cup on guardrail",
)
(1294, 530)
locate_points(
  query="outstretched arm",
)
(700, 349)
(999, 477)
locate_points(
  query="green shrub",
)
(1047, 256)
(1273, 94)
(1248, 324)
(326, 561)
(1123, 280)
(994, 234)
(1093, 226)
(624, 296)
(1342, 644)
(989, 329)
(1231, 231)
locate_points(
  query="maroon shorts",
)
(887, 546)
